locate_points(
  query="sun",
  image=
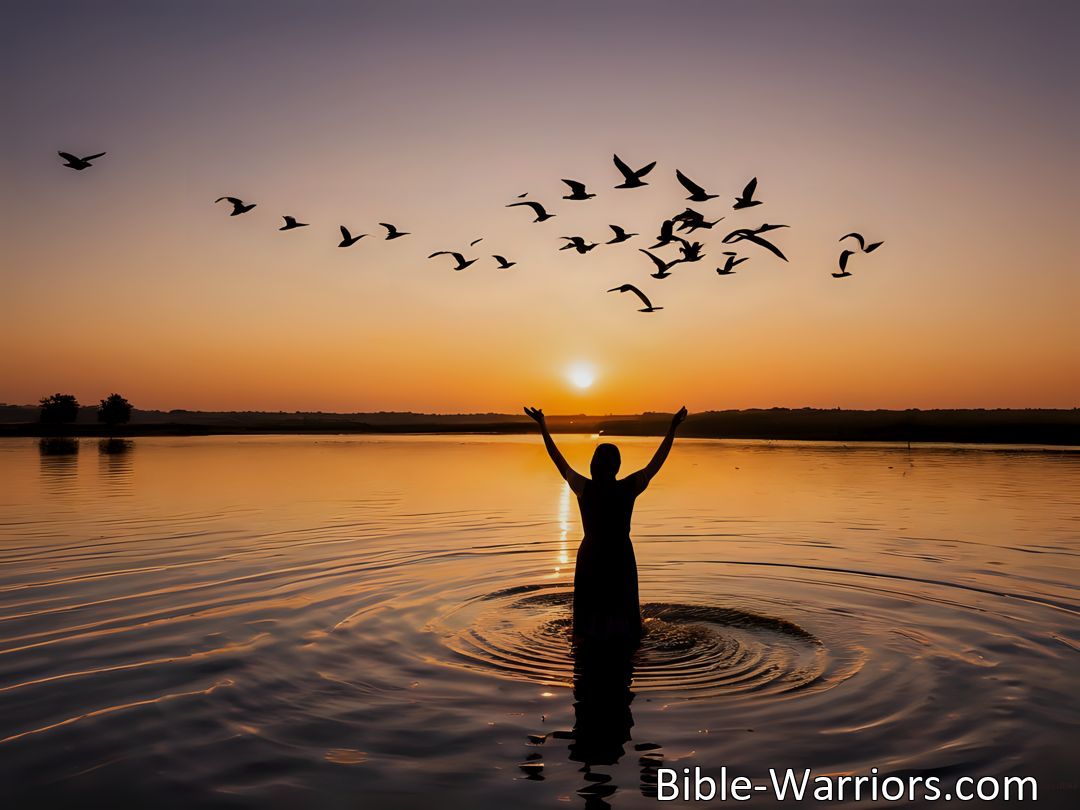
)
(581, 375)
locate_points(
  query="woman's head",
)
(605, 462)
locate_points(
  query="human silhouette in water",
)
(606, 609)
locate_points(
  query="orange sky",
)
(126, 277)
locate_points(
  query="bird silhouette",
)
(729, 265)
(347, 239)
(688, 215)
(541, 212)
(462, 262)
(392, 232)
(523, 196)
(291, 223)
(662, 267)
(844, 272)
(632, 178)
(238, 206)
(691, 251)
(865, 248)
(577, 191)
(78, 163)
(745, 200)
(752, 235)
(620, 235)
(697, 193)
(667, 234)
(577, 243)
(476, 241)
(699, 225)
(691, 220)
(503, 263)
(644, 299)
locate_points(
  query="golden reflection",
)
(564, 525)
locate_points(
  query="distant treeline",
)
(1034, 426)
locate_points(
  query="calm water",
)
(381, 622)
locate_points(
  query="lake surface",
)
(358, 622)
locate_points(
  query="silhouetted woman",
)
(606, 608)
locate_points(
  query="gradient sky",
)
(947, 129)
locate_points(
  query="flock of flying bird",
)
(688, 221)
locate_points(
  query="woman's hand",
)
(678, 418)
(536, 414)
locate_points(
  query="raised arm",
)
(576, 481)
(660, 456)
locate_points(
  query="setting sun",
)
(582, 375)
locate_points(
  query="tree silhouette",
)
(59, 409)
(114, 410)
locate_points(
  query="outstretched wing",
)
(736, 235)
(628, 173)
(844, 257)
(68, 156)
(644, 299)
(535, 206)
(458, 258)
(857, 236)
(661, 265)
(872, 247)
(751, 187)
(689, 184)
(644, 170)
(94, 157)
(617, 230)
(233, 200)
(765, 243)
(575, 187)
(439, 253)
(345, 233)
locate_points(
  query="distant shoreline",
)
(1029, 427)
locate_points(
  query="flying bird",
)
(392, 232)
(78, 163)
(523, 196)
(662, 267)
(541, 212)
(691, 251)
(577, 243)
(291, 223)
(644, 299)
(667, 235)
(503, 263)
(691, 220)
(347, 239)
(476, 241)
(729, 265)
(697, 225)
(462, 263)
(632, 178)
(238, 206)
(752, 235)
(844, 272)
(865, 248)
(697, 193)
(620, 235)
(688, 215)
(577, 191)
(746, 200)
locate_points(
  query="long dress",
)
(606, 608)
